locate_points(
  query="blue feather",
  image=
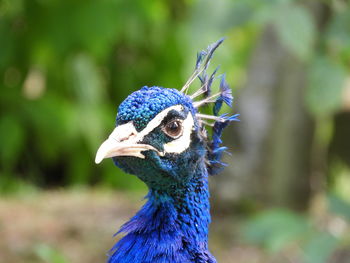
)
(210, 82)
(225, 96)
(203, 78)
(200, 57)
(217, 106)
(226, 92)
(211, 49)
(207, 55)
(215, 151)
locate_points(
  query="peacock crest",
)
(204, 97)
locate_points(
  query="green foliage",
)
(278, 230)
(338, 36)
(339, 206)
(296, 29)
(319, 247)
(48, 254)
(65, 66)
(326, 83)
(13, 134)
(10, 186)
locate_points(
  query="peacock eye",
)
(173, 128)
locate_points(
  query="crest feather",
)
(216, 121)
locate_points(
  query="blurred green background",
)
(65, 66)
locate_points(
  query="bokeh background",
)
(65, 65)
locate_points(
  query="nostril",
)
(127, 137)
(123, 132)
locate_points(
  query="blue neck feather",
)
(171, 227)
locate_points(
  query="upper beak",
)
(122, 142)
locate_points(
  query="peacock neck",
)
(171, 227)
(190, 204)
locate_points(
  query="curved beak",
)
(123, 141)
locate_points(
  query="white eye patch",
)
(128, 133)
(157, 120)
(180, 144)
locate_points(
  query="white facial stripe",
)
(180, 144)
(157, 120)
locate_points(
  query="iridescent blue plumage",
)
(160, 137)
(169, 227)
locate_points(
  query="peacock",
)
(161, 137)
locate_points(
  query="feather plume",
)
(200, 57)
(209, 82)
(216, 121)
(211, 49)
(215, 150)
(202, 63)
(225, 96)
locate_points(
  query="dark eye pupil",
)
(173, 128)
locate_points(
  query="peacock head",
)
(160, 135)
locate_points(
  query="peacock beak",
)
(123, 141)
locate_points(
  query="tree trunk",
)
(272, 144)
(272, 161)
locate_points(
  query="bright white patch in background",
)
(183, 142)
(35, 84)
